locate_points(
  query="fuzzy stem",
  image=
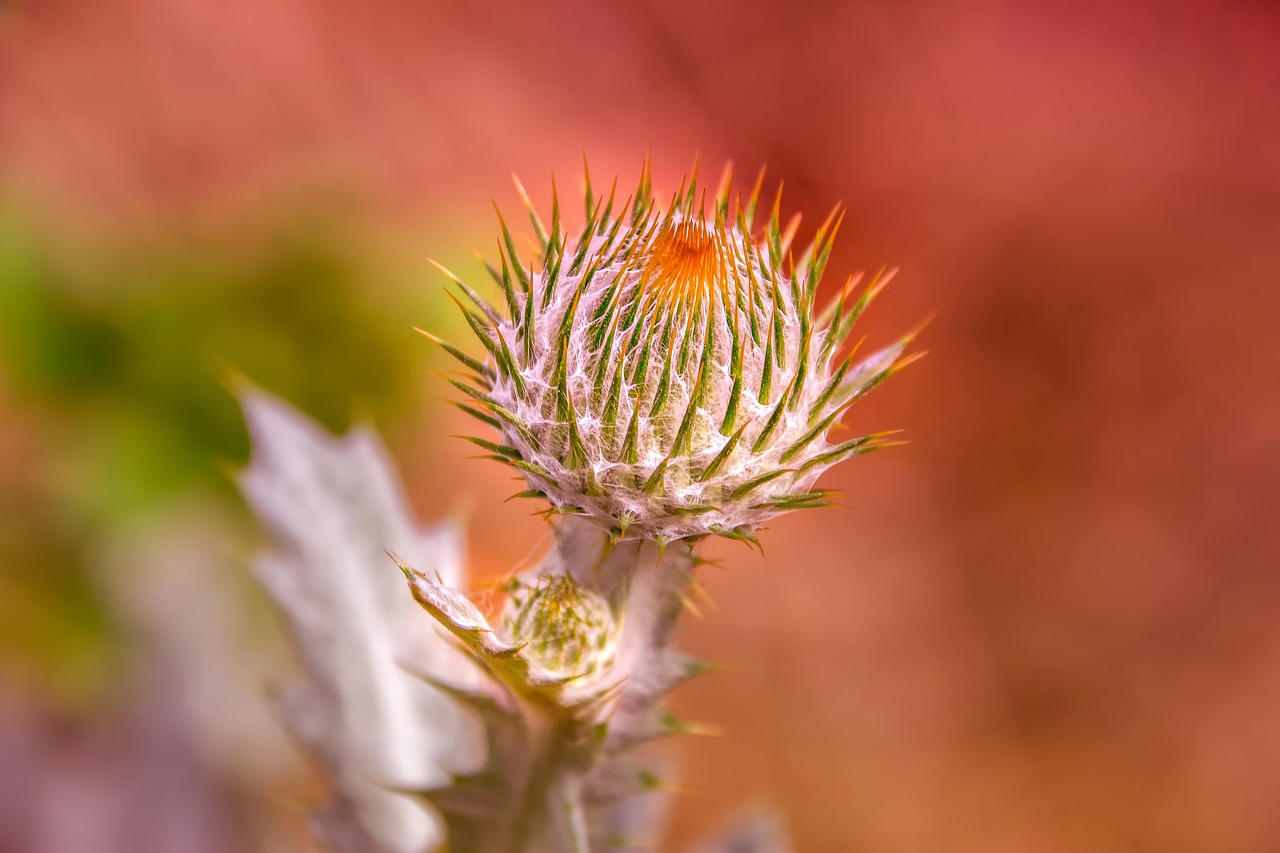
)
(580, 666)
(644, 587)
(551, 809)
(533, 818)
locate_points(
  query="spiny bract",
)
(663, 372)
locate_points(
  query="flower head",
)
(664, 372)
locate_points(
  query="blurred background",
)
(1050, 623)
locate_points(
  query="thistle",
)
(663, 372)
(659, 377)
(662, 376)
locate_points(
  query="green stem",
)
(531, 823)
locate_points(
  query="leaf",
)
(331, 506)
(460, 617)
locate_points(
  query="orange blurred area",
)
(1048, 623)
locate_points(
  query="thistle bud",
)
(563, 627)
(664, 372)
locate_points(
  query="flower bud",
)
(664, 372)
(564, 627)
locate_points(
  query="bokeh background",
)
(1050, 623)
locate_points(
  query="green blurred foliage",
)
(115, 368)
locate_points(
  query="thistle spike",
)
(820, 251)
(553, 275)
(750, 213)
(775, 418)
(878, 283)
(480, 302)
(478, 415)
(723, 456)
(680, 446)
(774, 231)
(789, 235)
(543, 238)
(472, 392)
(751, 485)
(766, 372)
(528, 330)
(833, 385)
(492, 447)
(854, 447)
(731, 409)
(692, 192)
(722, 194)
(629, 453)
(604, 218)
(643, 191)
(473, 364)
(588, 201)
(831, 316)
(654, 483)
(508, 290)
(510, 246)
(557, 230)
(483, 332)
(488, 265)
